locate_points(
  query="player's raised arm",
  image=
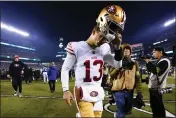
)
(114, 61)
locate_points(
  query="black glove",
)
(138, 101)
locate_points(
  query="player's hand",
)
(22, 72)
(117, 41)
(68, 97)
(109, 83)
(8, 76)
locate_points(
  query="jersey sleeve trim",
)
(69, 49)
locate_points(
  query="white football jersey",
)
(88, 63)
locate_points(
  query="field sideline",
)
(38, 101)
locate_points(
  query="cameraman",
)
(125, 80)
(157, 80)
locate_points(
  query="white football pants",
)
(45, 77)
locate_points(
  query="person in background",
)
(45, 76)
(30, 75)
(158, 80)
(125, 80)
(15, 71)
(26, 74)
(3, 74)
(52, 75)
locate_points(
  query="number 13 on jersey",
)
(100, 70)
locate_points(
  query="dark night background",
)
(48, 21)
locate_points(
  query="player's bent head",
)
(97, 36)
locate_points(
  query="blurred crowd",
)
(31, 72)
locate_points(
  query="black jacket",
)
(15, 68)
(30, 72)
(162, 66)
(159, 72)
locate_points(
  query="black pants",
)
(30, 79)
(26, 79)
(17, 83)
(156, 104)
(104, 80)
(52, 85)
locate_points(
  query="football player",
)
(88, 58)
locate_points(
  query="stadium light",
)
(169, 52)
(63, 58)
(23, 58)
(17, 46)
(159, 42)
(13, 29)
(61, 52)
(169, 22)
(6, 61)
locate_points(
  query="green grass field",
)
(32, 106)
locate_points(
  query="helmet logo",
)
(111, 9)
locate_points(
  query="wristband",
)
(66, 91)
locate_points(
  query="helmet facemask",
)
(109, 28)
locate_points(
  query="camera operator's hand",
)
(147, 60)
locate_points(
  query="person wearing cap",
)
(157, 80)
(15, 71)
(124, 81)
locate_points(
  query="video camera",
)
(148, 56)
